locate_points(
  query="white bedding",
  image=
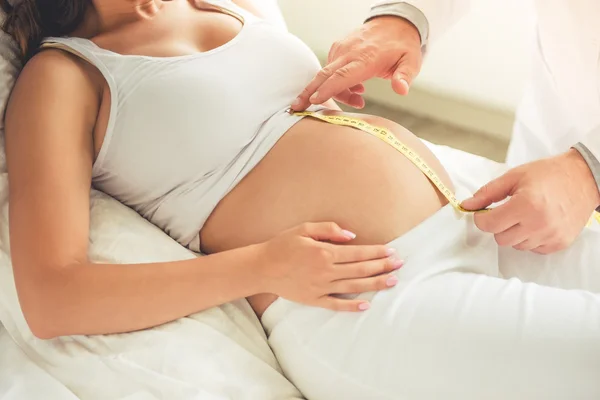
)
(218, 354)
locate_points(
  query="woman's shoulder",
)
(54, 63)
(52, 78)
(55, 68)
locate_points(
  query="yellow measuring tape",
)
(389, 138)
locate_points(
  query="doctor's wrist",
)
(396, 27)
(406, 12)
(584, 174)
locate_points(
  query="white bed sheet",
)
(218, 354)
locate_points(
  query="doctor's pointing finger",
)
(558, 124)
(386, 47)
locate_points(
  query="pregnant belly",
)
(322, 172)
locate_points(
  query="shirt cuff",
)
(406, 11)
(591, 161)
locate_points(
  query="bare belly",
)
(321, 172)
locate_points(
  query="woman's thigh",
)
(454, 336)
(451, 332)
(577, 267)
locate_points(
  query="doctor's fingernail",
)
(397, 263)
(404, 83)
(314, 97)
(390, 252)
(296, 103)
(364, 306)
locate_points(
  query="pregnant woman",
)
(178, 109)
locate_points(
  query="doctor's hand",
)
(550, 203)
(387, 47)
(308, 265)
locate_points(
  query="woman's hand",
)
(300, 265)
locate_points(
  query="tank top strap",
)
(87, 51)
(107, 64)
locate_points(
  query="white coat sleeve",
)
(589, 148)
(431, 17)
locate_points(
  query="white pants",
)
(459, 325)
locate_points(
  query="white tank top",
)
(183, 131)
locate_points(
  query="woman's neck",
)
(108, 15)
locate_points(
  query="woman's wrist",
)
(238, 271)
(257, 267)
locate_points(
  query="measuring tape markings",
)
(389, 138)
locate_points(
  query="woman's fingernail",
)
(390, 251)
(296, 103)
(349, 234)
(314, 97)
(391, 281)
(397, 263)
(364, 306)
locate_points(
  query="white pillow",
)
(9, 68)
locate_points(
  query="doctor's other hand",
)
(304, 265)
(386, 47)
(551, 201)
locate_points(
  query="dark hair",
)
(30, 21)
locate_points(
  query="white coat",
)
(562, 102)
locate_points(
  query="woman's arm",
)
(49, 141)
(49, 125)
